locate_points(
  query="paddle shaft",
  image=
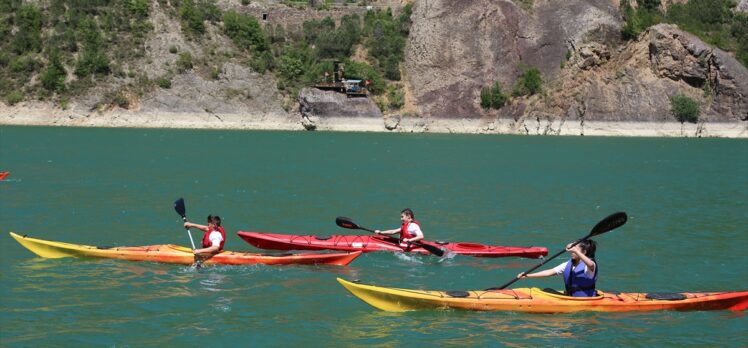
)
(541, 264)
(430, 248)
(189, 233)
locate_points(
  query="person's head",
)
(214, 220)
(588, 247)
(406, 215)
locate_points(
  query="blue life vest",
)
(577, 283)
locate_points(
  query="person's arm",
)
(547, 273)
(387, 232)
(198, 226)
(541, 274)
(209, 250)
(587, 261)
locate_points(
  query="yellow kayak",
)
(168, 253)
(536, 300)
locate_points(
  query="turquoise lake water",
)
(687, 201)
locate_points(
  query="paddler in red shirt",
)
(410, 230)
(214, 237)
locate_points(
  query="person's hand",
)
(196, 252)
(406, 240)
(521, 275)
(186, 225)
(376, 231)
(574, 250)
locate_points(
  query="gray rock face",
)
(637, 83)
(315, 104)
(238, 90)
(457, 47)
(742, 6)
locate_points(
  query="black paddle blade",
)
(609, 223)
(345, 222)
(179, 207)
(432, 249)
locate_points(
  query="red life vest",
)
(206, 238)
(404, 229)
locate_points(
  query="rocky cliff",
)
(635, 82)
(454, 49)
(458, 47)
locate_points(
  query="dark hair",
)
(214, 219)
(408, 212)
(588, 246)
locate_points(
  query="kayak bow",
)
(168, 253)
(536, 300)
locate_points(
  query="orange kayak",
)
(535, 300)
(168, 253)
(4, 175)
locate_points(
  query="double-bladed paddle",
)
(345, 222)
(181, 210)
(608, 224)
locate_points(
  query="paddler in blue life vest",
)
(410, 230)
(214, 237)
(580, 272)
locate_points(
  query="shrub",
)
(396, 98)
(120, 100)
(363, 71)
(14, 98)
(192, 17)
(163, 82)
(638, 20)
(23, 64)
(92, 62)
(392, 68)
(184, 62)
(245, 31)
(53, 78)
(262, 62)
(492, 97)
(173, 49)
(29, 35)
(684, 108)
(529, 83)
(138, 8)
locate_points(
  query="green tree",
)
(492, 97)
(529, 83)
(245, 31)
(53, 78)
(649, 4)
(138, 8)
(29, 35)
(192, 17)
(684, 108)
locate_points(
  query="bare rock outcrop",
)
(318, 106)
(637, 83)
(742, 6)
(457, 47)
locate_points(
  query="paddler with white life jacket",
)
(580, 272)
(214, 236)
(410, 230)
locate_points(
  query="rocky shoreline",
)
(21, 115)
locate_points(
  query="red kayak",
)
(4, 175)
(381, 243)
